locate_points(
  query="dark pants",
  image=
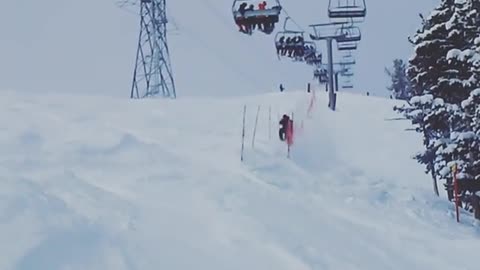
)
(282, 133)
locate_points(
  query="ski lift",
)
(310, 56)
(340, 68)
(345, 9)
(290, 43)
(347, 73)
(346, 46)
(349, 33)
(348, 59)
(310, 47)
(246, 16)
(321, 74)
(347, 63)
(315, 61)
(327, 30)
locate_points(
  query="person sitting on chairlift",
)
(250, 21)
(242, 9)
(262, 5)
(262, 18)
(288, 46)
(241, 22)
(280, 45)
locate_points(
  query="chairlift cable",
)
(250, 78)
(288, 16)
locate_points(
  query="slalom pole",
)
(289, 136)
(243, 132)
(255, 128)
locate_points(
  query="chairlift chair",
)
(346, 55)
(347, 73)
(251, 18)
(294, 50)
(348, 63)
(310, 56)
(321, 74)
(350, 33)
(339, 68)
(315, 61)
(345, 9)
(326, 30)
(346, 46)
(347, 81)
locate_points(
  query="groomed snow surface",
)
(101, 183)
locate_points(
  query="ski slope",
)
(104, 183)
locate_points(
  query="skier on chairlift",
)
(280, 45)
(261, 22)
(241, 22)
(251, 22)
(242, 9)
(262, 5)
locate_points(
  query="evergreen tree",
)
(462, 79)
(444, 72)
(431, 48)
(427, 109)
(400, 83)
(417, 109)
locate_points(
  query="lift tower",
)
(152, 75)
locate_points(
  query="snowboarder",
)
(282, 132)
(281, 88)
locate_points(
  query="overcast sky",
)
(89, 46)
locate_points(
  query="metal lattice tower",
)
(152, 75)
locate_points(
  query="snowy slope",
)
(102, 183)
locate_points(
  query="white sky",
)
(89, 46)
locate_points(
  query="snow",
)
(425, 99)
(454, 54)
(460, 55)
(477, 41)
(466, 135)
(475, 92)
(104, 183)
(438, 102)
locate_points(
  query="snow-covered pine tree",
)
(471, 113)
(441, 69)
(417, 110)
(431, 48)
(461, 79)
(428, 64)
(400, 86)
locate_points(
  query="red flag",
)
(290, 133)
